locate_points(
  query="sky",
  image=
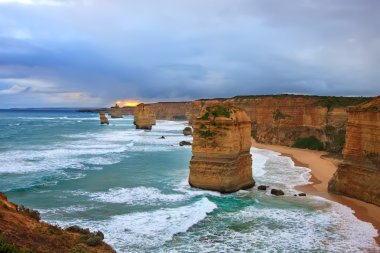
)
(89, 53)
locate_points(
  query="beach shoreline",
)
(322, 170)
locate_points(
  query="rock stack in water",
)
(144, 117)
(221, 150)
(115, 112)
(103, 118)
(359, 175)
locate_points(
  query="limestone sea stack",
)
(115, 112)
(359, 175)
(103, 118)
(221, 158)
(144, 117)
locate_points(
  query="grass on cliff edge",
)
(216, 111)
(6, 247)
(309, 143)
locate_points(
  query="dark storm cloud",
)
(62, 53)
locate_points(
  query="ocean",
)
(132, 185)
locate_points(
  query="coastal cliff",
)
(21, 229)
(290, 120)
(286, 119)
(144, 118)
(221, 158)
(359, 175)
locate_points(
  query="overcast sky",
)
(93, 52)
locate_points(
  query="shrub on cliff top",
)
(30, 212)
(6, 247)
(309, 143)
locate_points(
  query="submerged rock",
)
(185, 143)
(103, 118)
(277, 192)
(144, 117)
(221, 158)
(262, 187)
(187, 131)
(302, 194)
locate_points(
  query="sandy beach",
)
(322, 170)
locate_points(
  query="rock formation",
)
(144, 117)
(284, 119)
(22, 228)
(116, 111)
(187, 131)
(103, 118)
(359, 175)
(221, 158)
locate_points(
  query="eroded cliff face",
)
(359, 175)
(170, 110)
(221, 150)
(283, 119)
(144, 118)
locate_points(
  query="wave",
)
(274, 169)
(137, 232)
(134, 196)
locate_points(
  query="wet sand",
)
(322, 169)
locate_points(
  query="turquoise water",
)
(132, 185)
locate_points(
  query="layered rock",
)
(103, 118)
(283, 119)
(171, 110)
(359, 175)
(144, 118)
(221, 158)
(22, 228)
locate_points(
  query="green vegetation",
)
(218, 111)
(6, 247)
(331, 102)
(205, 116)
(309, 143)
(78, 249)
(336, 139)
(206, 134)
(277, 115)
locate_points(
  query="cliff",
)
(171, 110)
(21, 228)
(284, 119)
(221, 158)
(144, 117)
(103, 118)
(359, 175)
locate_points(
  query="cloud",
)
(173, 50)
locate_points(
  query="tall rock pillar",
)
(221, 158)
(144, 117)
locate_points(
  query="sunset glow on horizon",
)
(122, 103)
